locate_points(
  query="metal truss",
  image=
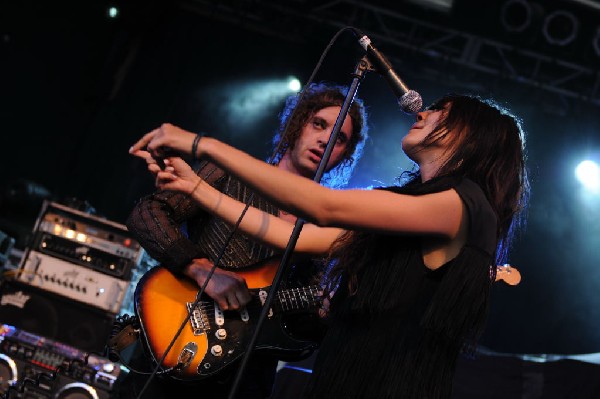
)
(408, 34)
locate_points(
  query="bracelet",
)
(195, 146)
(195, 188)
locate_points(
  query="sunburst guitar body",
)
(212, 339)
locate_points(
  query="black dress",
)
(400, 334)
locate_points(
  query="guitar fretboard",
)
(302, 298)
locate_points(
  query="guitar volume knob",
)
(216, 350)
(221, 333)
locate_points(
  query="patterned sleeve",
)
(156, 222)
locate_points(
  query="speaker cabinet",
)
(56, 317)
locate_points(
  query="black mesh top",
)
(174, 229)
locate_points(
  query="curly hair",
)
(316, 97)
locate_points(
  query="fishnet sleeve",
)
(156, 222)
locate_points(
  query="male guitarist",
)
(186, 240)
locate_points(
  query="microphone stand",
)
(361, 68)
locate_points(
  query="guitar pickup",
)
(198, 319)
(219, 315)
(262, 295)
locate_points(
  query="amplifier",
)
(80, 256)
(54, 316)
(35, 367)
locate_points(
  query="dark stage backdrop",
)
(79, 88)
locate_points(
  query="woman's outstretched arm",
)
(377, 210)
(262, 226)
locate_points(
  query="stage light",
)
(113, 12)
(561, 28)
(248, 102)
(294, 85)
(588, 174)
(516, 15)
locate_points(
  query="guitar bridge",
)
(198, 319)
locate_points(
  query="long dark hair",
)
(487, 146)
(316, 97)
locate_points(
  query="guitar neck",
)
(297, 299)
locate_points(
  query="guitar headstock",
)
(510, 275)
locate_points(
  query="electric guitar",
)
(510, 275)
(213, 339)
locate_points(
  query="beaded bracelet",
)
(195, 146)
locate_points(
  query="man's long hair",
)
(317, 97)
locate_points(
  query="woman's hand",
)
(154, 165)
(164, 141)
(172, 174)
(177, 176)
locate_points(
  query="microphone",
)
(409, 100)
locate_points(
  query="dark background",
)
(78, 88)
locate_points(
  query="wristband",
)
(195, 146)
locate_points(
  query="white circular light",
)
(294, 85)
(588, 174)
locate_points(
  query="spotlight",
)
(113, 12)
(560, 28)
(294, 84)
(516, 15)
(247, 102)
(588, 174)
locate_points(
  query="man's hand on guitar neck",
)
(228, 289)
